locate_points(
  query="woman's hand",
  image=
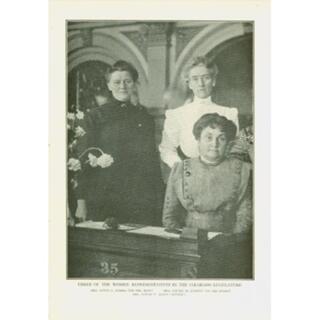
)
(81, 212)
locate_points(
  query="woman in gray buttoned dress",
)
(213, 191)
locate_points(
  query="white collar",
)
(213, 163)
(200, 101)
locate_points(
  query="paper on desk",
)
(212, 235)
(155, 231)
(99, 225)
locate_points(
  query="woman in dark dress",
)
(130, 189)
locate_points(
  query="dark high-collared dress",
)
(131, 188)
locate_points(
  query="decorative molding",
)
(150, 35)
(138, 40)
(156, 33)
(88, 54)
(184, 35)
(121, 47)
(248, 27)
(204, 41)
(86, 35)
(96, 24)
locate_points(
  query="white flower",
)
(93, 160)
(80, 115)
(74, 164)
(74, 183)
(72, 144)
(79, 132)
(71, 116)
(105, 160)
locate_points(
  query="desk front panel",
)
(116, 254)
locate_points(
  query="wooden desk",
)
(118, 254)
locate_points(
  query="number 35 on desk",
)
(109, 268)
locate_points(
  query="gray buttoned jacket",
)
(212, 197)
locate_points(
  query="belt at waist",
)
(208, 221)
(204, 220)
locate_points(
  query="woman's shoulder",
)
(177, 169)
(225, 109)
(100, 113)
(103, 108)
(142, 109)
(142, 112)
(177, 113)
(190, 165)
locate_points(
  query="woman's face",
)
(212, 144)
(201, 81)
(121, 85)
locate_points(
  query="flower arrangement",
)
(85, 86)
(103, 161)
(242, 147)
(77, 162)
(246, 135)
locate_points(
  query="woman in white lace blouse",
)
(178, 141)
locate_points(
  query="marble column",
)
(158, 42)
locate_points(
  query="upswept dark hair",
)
(122, 65)
(214, 120)
(201, 60)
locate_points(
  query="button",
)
(139, 125)
(188, 173)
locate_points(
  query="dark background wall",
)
(235, 79)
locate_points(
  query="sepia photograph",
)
(160, 149)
